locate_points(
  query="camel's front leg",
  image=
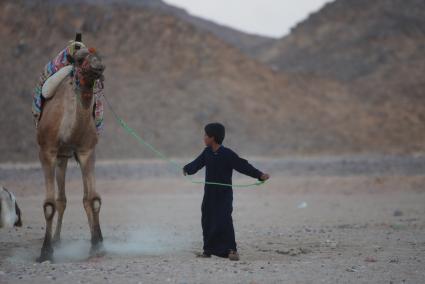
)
(91, 199)
(48, 160)
(61, 198)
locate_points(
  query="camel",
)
(66, 129)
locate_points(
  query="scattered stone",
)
(345, 226)
(398, 213)
(352, 269)
(394, 260)
(294, 252)
(305, 250)
(282, 251)
(264, 250)
(377, 248)
(370, 259)
(332, 244)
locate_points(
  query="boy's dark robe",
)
(217, 223)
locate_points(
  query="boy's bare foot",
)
(233, 255)
(203, 255)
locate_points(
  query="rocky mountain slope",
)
(167, 78)
(250, 44)
(351, 39)
(376, 50)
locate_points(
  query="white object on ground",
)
(51, 84)
(8, 215)
(302, 205)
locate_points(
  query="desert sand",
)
(318, 220)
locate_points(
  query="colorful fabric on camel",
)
(51, 68)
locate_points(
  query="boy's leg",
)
(231, 233)
(233, 253)
(206, 226)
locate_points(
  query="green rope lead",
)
(141, 141)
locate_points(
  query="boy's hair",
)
(215, 130)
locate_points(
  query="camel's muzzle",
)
(96, 72)
(93, 72)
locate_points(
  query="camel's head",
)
(89, 64)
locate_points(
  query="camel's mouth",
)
(95, 72)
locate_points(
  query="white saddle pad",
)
(51, 84)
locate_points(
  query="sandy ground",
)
(316, 221)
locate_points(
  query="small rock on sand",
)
(370, 259)
(282, 251)
(352, 269)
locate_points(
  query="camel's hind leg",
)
(91, 199)
(48, 161)
(61, 198)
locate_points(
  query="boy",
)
(217, 224)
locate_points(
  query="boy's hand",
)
(264, 177)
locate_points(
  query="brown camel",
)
(67, 128)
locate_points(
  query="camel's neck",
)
(77, 118)
(83, 90)
(83, 85)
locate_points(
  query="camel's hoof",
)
(45, 256)
(97, 250)
(56, 242)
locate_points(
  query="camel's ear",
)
(70, 59)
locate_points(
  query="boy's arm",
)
(244, 167)
(195, 165)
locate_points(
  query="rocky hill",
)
(376, 50)
(351, 39)
(167, 78)
(250, 44)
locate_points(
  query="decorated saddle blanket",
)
(53, 74)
